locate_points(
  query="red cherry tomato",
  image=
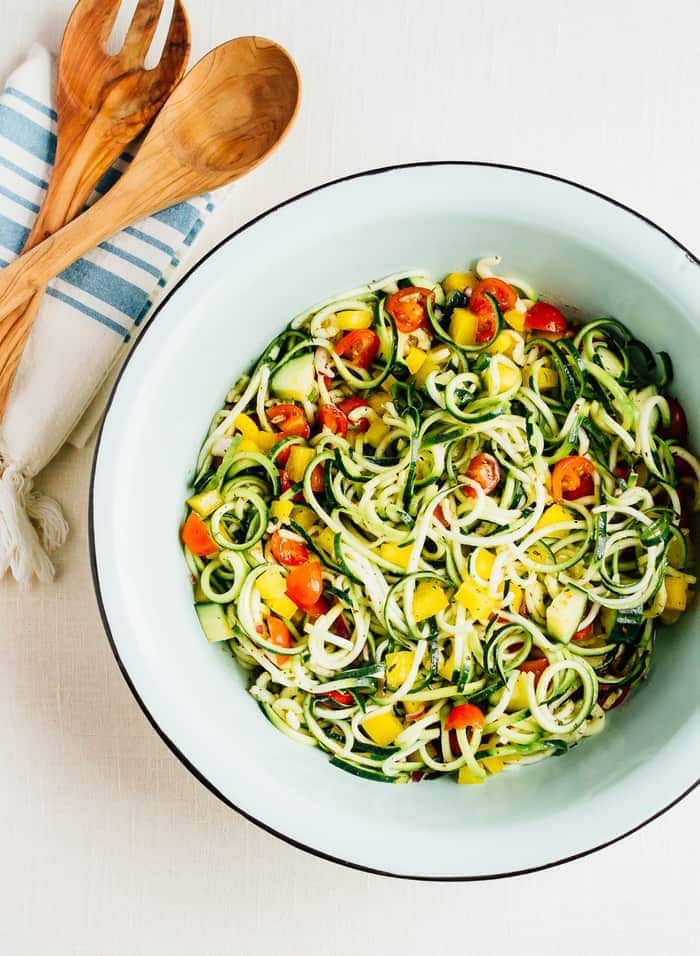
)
(536, 667)
(361, 347)
(341, 697)
(678, 428)
(288, 551)
(543, 317)
(348, 406)
(196, 537)
(290, 420)
(407, 308)
(584, 633)
(282, 456)
(464, 715)
(440, 515)
(319, 608)
(305, 584)
(285, 480)
(317, 480)
(572, 478)
(334, 419)
(505, 295)
(278, 633)
(485, 471)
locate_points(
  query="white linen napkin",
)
(88, 320)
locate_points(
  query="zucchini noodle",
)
(440, 527)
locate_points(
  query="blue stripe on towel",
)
(20, 200)
(30, 101)
(151, 240)
(23, 173)
(86, 310)
(128, 257)
(27, 134)
(179, 217)
(106, 286)
(12, 235)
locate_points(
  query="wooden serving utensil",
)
(103, 101)
(226, 116)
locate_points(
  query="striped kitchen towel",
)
(89, 318)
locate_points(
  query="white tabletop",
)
(108, 845)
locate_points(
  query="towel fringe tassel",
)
(31, 527)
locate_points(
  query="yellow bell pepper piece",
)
(249, 445)
(413, 706)
(458, 282)
(298, 461)
(378, 402)
(463, 326)
(281, 509)
(263, 441)
(446, 669)
(283, 606)
(325, 540)
(554, 515)
(246, 426)
(477, 600)
(414, 359)
(351, 319)
(518, 699)
(398, 665)
(376, 433)
(515, 319)
(676, 594)
(517, 596)
(428, 599)
(266, 440)
(546, 379)
(394, 553)
(383, 728)
(206, 502)
(484, 561)
(271, 584)
(493, 764)
(504, 344)
(508, 377)
(303, 516)
(464, 775)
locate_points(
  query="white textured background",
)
(107, 844)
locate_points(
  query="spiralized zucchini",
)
(439, 526)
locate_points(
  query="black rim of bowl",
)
(93, 551)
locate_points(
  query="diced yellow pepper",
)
(351, 319)
(246, 426)
(376, 433)
(504, 344)
(395, 554)
(464, 775)
(199, 596)
(281, 509)
(477, 600)
(383, 728)
(493, 764)
(508, 377)
(463, 326)
(676, 594)
(325, 540)
(518, 699)
(283, 606)
(413, 706)
(398, 665)
(428, 599)
(458, 282)
(446, 669)
(483, 563)
(546, 378)
(515, 319)
(517, 596)
(271, 584)
(378, 402)
(249, 445)
(299, 458)
(414, 359)
(266, 440)
(554, 515)
(303, 516)
(431, 364)
(206, 502)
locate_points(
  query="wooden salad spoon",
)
(224, 118)
(103, 103)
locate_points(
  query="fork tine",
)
(96, 17)
(178, 35)
(142, 28)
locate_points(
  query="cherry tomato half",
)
(348, 406)
(464, 715)
(341, 697)
(334, 419)
(504, 294)
(196, 537)
(278, 634)
(290, 420)
(407, 308)
(485, 471)
(572, 478)
(543, 317)
(305, 584)
(536, 667)
(317, 481)
(360, 347)
(678, 428)
(584, 633)
(288, 551)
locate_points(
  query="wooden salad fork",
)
(223, 119)
(104, 101)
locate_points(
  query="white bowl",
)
(576, 247)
